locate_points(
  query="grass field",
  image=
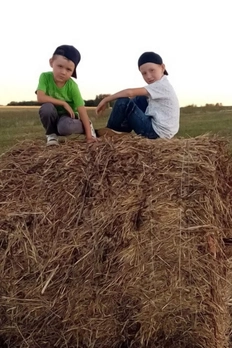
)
(20, 123)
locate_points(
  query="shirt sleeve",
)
(156, 90)
(76, 96)
(42, 85)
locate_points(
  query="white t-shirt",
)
(164, 108)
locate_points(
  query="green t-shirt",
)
(69, 92)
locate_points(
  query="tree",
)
(24, 103)
(96, 101)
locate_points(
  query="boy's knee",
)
(47, 109)
(121, 101)
(126, 102)
(64, 128)
(68, 126)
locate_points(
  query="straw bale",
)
(120, 244)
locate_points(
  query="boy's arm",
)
(86, 123)
(130, 93)
(43, 98)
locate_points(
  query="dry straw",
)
(120, 244)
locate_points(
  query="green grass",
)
(21, 123)
(212, 122)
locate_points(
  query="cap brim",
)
(165, 72)
(74, 74)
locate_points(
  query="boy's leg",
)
(122, 109)
(129, 114)
(49, 118)
(142, 124)
(141, 102)
(134, 118)
(67, 126)
(118, 118)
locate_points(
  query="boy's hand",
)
(91, 140)
(69, 109)
(101, 106)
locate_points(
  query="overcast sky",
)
(192, 36)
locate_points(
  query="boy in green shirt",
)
(61, 99)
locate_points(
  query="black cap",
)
(71, 53)
(151, 57)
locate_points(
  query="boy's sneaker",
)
(93, 133)
(109, 132)
(52, 140)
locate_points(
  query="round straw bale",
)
(115, 245)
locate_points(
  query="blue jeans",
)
(129, 114)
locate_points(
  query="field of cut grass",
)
(20, 123)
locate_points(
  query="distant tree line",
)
(98, 98)
(90, 102)
(24, 103)
(96, 101)
(189, 109)
(206, 105)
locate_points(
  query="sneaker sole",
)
(52, 143)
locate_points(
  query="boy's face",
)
(152, 72)
(62, 68)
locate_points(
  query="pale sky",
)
(192, 36)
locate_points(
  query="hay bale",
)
(115, 245)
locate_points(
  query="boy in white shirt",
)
(151, 111)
